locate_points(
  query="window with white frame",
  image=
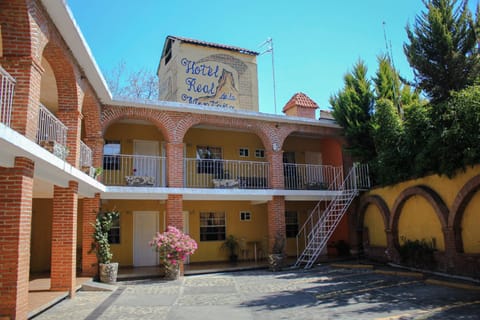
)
(245, 216)
(111, 155)
(243, 152)
(259, 153)
(212, 226)
(291, 224)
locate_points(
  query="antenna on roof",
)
(388, 47)
(268, 46)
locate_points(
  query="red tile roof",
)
(302, 100)
(214, 45)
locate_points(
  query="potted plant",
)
(277, 256)
(108, 270)
(231, 244)
(173, 246)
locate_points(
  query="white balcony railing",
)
(51, 133)
(213, 173)
(134, 170)
(7, 88)
(312, 177)
(85, 155)
(50, 128)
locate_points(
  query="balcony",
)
(6, 97)
(86, 160)
(150, 171)
(134, 170)
(51, 133)
(232, 174)
(312, 177)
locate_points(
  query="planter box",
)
(140, 181)
(56, 148)
(226, 183)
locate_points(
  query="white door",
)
(145, 226)
(186, 227)
(149, 165)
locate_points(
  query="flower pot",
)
(172, 272)
(276, 261)
(108, 272)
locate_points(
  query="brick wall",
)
(16, 186)
(175, 211)
(276, 219)
(91, 207)
(64, 238)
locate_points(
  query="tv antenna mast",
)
(388, 47)
(268, 47)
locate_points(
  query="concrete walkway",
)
(325, 292)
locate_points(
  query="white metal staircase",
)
(320, 224)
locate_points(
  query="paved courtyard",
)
(321, 293)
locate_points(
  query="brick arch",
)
(69, 96)
(161, 119)
(377, 201)
(432, 198)
(17, 26)
(91, 110)
(260, 129)
(463, 198)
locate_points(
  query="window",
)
(245, 216)
(114, 233)
(212, 226)
(243, 152)
(111, 155)
(259, 153)
(291, 224)
(209, 160)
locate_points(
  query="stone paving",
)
(321, 293)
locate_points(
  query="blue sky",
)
(315, 42)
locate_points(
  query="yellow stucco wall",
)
(373, 221)
(418, 221)
(229, 141)
(127, 133)
(41, 236)
(253, 230)
(123, 252)
(195, 74)
(471, 225)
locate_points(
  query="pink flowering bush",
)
(173, 246)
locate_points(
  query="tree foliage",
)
(442, 49)
(352, 109)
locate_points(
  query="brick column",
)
(276, 219)
(28, 74)
(174, 164)
(175, 211)
(91, 206)
(64, 238)
(16, 186)
(450, 247)
(275, 159)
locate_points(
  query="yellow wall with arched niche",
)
(446, 188)
(470, 226)
(418, 221)
(373, 221)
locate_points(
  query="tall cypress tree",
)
(352, 109)
(443, 48)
